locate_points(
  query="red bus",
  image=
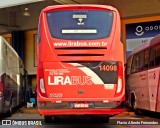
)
(80, 67)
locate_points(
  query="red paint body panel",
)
(66, 79)
(81, 111)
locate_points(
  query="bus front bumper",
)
(112, 108)
(80, 111)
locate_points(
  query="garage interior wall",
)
(30, 51)
(130, 11)
(30, 56)
(7, 37)
(136, 20)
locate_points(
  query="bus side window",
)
(135, 63)
(141, 60)
(151, 57)
(157, 58)
(128, 65)
(146, 57)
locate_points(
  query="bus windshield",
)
(80, 24)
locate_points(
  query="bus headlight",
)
(119, 88)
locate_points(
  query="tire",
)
(133, 102)
(10, 111)
(133, 105)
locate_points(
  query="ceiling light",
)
(26, 12)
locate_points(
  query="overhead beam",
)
(10, 3)
(6, 27)
(67, 1)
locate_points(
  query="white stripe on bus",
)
(95, 78)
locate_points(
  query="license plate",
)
(81, 105)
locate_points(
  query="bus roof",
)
(83, 5)
(149, 43)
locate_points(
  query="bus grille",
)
(80, 53)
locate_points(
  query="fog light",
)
(43, 104)
(118, 102)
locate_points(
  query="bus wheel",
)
(133, 105)
(10, 111)
(133, 102)
(48, 119)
